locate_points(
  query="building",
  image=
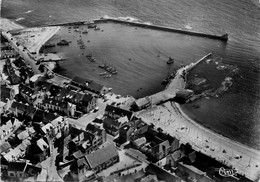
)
(102, 158)
(14, 79)
(195, 165)
(7, 94)
(16, 170)
(79, 83)
(21, 170)
(88, 103)
(27, 93)
(62, 94)
(44, 87)
(161, 173)
(18, 109)
(133, 129)
(38, 116)
(183, 95)
(4, 163)
(33, 81)
(31, 170)
(59, 106)
(38, 151)
(111, 126)
(5, 147)
(116, 112)
(95, 88)
(100, 134)
(143, 103)
(173, 158)
(158, 145)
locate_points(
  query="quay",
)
(168, 116)
(223, 37)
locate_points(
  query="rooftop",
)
(80, 80)
(5, 93)
(101, 155)
(16, 166)
(26, 90)
(32, 170)
(119, 111)
(111, 121)
(57, 103)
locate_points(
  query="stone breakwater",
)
(223, 37)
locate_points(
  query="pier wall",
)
(223, 37)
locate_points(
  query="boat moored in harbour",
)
(170, 61)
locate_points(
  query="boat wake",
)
(27, 12)
(19, 19)
(127, 18)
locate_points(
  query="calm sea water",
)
(236, 113)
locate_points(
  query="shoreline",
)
(7, 25)
(179, 77)
(173, 120)
(178, 83)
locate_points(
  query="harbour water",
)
(235, 113)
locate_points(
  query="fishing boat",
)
(101, 66)
(63, 42)
(82, 47)
(49, 45)
(92, 26)
(85, 31)
(92, 59)
(89, 56)
(170, 61)
(96, 28)
(103, 73)
(107, 76)
(113, 70)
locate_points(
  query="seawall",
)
(223, 37)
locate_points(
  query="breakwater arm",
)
(223, 37)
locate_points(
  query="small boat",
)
(101, 66)
(107, 76)
(91, 59)
(114, 72)
(63, 42)
(82, 47)
(85, 31)
(92, 26)
(49, 45)
(170, 61)
(89, 56)
(103, 73)
(96, 28)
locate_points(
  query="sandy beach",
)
(7, 25)
(170, 117)
(34, 38)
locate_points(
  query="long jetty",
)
(223, 37)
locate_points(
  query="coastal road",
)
(171, 119)
(23, 53)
